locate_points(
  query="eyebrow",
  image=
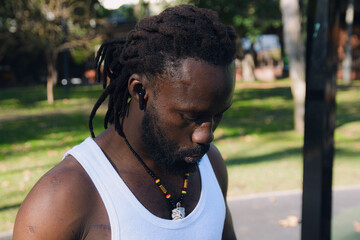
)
(200, 112)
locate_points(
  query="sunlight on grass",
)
(270, 162)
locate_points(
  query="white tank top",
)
(130, 220)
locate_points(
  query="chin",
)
(193, 159)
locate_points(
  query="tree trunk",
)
(51, 75)
(294, 48)
(347, 63)
(248, 68)
(141, 10)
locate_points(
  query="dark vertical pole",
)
(349, 19)
(321, 67)
(65, 55)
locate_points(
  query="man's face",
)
(179, 122)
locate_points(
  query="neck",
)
(133, 133)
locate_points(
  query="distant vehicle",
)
(73, 81)
(262, 42)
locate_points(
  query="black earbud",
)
(142, 99)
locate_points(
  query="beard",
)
(164, 151)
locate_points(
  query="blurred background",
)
(48, 88)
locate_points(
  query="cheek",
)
(176, 129)
(180, 132)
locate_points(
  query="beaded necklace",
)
(178, 212)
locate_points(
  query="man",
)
(153, 173)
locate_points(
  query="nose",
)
(203, 133)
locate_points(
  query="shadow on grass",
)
(4, 208)
(348, 111)
(36, 128)
(9, 152)
(249, 120)
(29, 96)
(291, 152)
(264, 158)
(347, 153)
(262, 93)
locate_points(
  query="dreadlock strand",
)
(118, 127)
(102, 98)
(110, 112)
(124, 103)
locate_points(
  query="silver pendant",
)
(178, 212)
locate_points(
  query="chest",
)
(144, 196)
(204, 222)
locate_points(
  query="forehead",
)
(198, 86)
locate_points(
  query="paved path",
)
(257, 216)
(6, 235)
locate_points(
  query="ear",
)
(136, 84)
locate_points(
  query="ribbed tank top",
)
(130, 220)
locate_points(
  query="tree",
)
(248, 65)
(249, 17)
(141, 10)
(294, 48)
(49, 26)
(347, 63)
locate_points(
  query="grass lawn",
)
(261, 150)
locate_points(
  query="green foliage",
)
(81, 55)
(46, 28)
(127, 11)
(100, 11)
(249, 17)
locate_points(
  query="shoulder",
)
(58, 204)
(219, 167)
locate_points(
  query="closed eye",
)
(198, 118)
(190, 119)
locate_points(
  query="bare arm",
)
(54, 208)
(219, 167)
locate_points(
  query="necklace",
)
(178, 212)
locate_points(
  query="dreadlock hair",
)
(177, 33)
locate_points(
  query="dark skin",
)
(65, 204)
